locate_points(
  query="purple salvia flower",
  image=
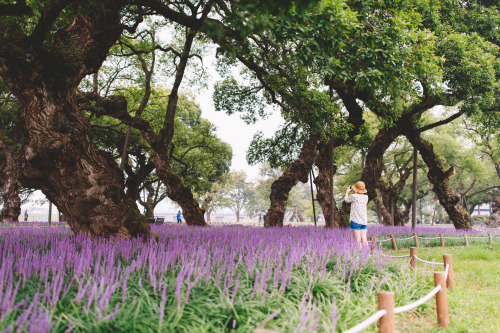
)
(124, 289)
(271, 317)
(235, 288)
(162, 304)
(8, 329)
(255, 284)
(334, 316)
(112, 314)
(382, 282)
(264, 289)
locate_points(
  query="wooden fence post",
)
(466, 240)
(450, 279)
(441, 300)
(416, 239)
(490, 239)
(413, 260)
(442, 239)
(386, 302)
(374, 243)
(394, 246)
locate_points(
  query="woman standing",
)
(359, 220)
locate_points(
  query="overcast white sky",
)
(236, 132)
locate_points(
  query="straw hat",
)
(359, 187)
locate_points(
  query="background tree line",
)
(76, 74)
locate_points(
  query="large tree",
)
(45, 52)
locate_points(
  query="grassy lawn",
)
(474, 305)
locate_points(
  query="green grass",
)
(474, 305)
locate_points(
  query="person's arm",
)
(348, 198)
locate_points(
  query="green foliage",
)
(480, 219)
(236, 192)
(475, 174)
(198, 155)
(280, 150)
(231, 97)
(261, 188)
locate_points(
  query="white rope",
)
(421, 301)
(446, 271)
(429, 238)
(368, 321)
(477, 237)
(406, 256)
(404, 238)
(385, 240)
(427, 262)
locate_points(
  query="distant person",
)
(418, 220)
(179, 217)
(358, 218)
(260, 218)
(26, 215)
(264, 218)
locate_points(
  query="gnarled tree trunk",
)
(59, 155)
(439, 178)
(177, 191)
(62, 160)
(11, 185)
(322, 182)
(494, 221)
(355, 118)
(280, 189)
(372, 171)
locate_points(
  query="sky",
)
(233, 130)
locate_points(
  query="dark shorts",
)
(357, 226)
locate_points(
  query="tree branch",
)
(441, 122)
(483, 190)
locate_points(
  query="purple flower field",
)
(230, 278)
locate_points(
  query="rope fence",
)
(416, 238)
(443, 280)
(425, 261)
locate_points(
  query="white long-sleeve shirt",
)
(358, 207)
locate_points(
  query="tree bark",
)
(280, 189)
(180, 193)
(439, 178)
(383, 207)
(322, 182)
(355, 118)
(62, 160)
(11, 170)
(494, 221)
(149, 208)
(59, 155)
(372, 172)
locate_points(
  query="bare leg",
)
(363, 237)
(357, 237)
